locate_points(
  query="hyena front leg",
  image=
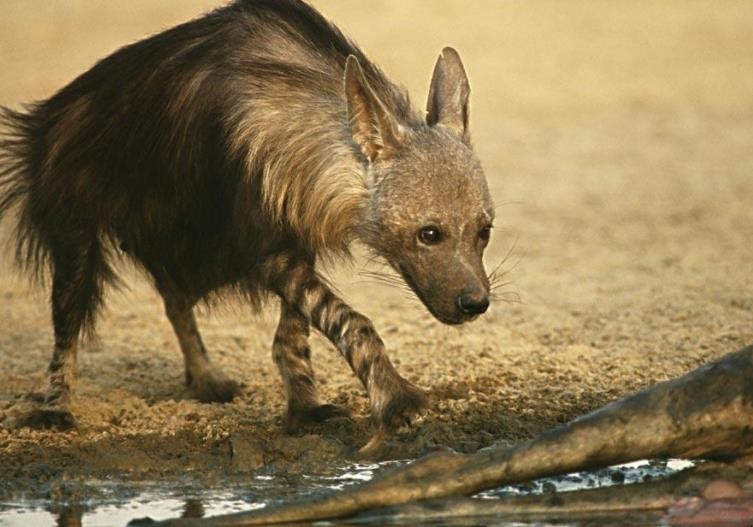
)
(292, 355)
(204, 379)
(394, 401)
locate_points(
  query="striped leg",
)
(292, 355)
(394, 401)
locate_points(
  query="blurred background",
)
(617, 138)
(542, 56)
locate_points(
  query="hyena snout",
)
(472, 303)
(453, 297)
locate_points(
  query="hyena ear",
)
(448, 95)
(373, 127)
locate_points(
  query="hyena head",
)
(430, 212)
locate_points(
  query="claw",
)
(46, 418)
(404, 406)
(374, 445)
(297, 419)
(212, 386)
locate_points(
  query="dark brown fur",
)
(231, 153)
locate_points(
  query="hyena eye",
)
(485, 233)
(429, 235)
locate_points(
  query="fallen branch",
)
(706, 414)
(646, 501)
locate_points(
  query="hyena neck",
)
(292, 128)
(314, 177)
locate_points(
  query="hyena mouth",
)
(456, 320)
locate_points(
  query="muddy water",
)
(104, 503)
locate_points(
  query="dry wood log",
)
(685, 495)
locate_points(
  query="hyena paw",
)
(49, 410)
(46, 418)
(399, 407)
(212, 386)
(298, 418)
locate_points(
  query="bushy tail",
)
(18, 130)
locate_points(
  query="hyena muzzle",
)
(230, 154)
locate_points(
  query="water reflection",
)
(71, 516)
(139, 504)
(193, 509)
(115, 514)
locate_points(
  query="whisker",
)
(404, 292)
(382, 276)
(499, 285)
(386, 279)
(497, 206)
(381, 282)
(509, 297)
(498, 277)
(497, 273)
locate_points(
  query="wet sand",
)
(618, 144)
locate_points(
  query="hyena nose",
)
(472, 304)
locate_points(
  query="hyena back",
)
(231, 153)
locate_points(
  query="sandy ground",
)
(618, 142)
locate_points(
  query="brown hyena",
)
(231, 153)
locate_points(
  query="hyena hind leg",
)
(292, 355)
(79, 268)
(205, 380)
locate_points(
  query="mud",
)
(618, 143)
